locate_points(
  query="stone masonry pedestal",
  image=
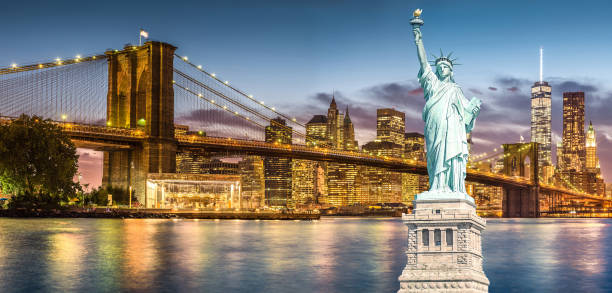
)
(444, 248)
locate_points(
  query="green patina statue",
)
(448, 117)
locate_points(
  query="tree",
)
(37, 159)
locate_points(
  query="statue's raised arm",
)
(418, 39)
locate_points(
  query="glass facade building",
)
(541, 93)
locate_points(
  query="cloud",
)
(475, 91)
(509, 81)
(573, 86)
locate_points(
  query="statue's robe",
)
(447, 122)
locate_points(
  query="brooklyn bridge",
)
(132, 105)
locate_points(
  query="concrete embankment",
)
(159, 214)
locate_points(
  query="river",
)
(329, 255)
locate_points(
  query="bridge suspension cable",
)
(234, 102)
(229, 99)
(15, 68)
(66, 90)
(242, 93)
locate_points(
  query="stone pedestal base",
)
(444, 248)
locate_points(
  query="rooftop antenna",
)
(541, 62)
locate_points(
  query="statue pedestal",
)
(444, 248)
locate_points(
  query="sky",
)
(293, 54)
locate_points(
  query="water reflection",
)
(330, 255)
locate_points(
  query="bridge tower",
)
(521, 159)
(141, 96)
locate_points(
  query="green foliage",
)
(99, 196)
(37, 160)
(31, 201)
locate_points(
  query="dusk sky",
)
(293, 54)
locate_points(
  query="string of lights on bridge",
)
(14, 67)
(227, 83)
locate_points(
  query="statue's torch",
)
(416, 21)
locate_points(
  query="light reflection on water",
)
(330, 255)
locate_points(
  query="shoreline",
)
(104, 213)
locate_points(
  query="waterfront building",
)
(341, 184)
(277, 171)
(574, 143)
(253, 183)
(390, 126)
(201, 191)
(303, 181)
(384, 186)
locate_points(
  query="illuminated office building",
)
(592, 162)
(390, 126)
(595, 183)
(340, 176)
(303, 181)
(574, 143)
(560, 155)
(334, 127)
(348, 133)
(384, 186)
(277, 171)
(541, 120)
(316, 131)
(252, 179)
(412, 184)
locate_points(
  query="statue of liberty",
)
(448, 117)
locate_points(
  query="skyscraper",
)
(340, 176)
(277, 171)
(541, 118)
(390, 125)
(574, 144)
(348, 133)
(316, 131)
(334, 128)
(253, 182)
(595, 183)
(592, 162)
(303, 181)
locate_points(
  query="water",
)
(330, 255)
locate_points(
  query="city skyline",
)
(325, 40)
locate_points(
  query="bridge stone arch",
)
(515, 156)
(517, 201)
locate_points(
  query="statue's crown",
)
(446, 59)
